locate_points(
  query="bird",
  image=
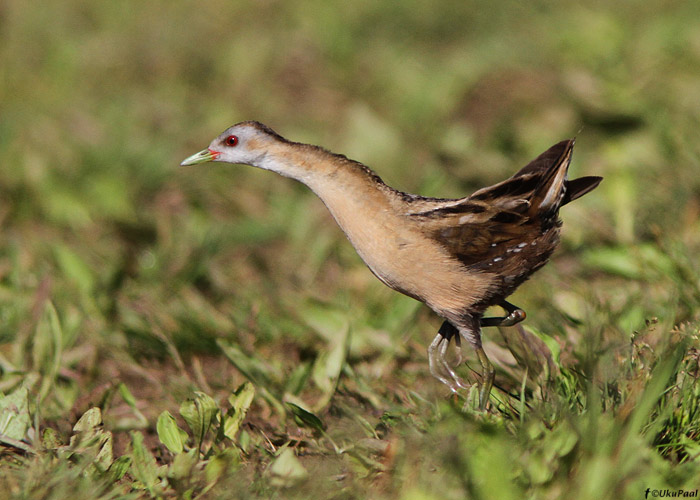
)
(457, 256)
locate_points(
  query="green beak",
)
(201, 157)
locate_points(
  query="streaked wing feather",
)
(544, 161)
(472, 234)
(515, 217)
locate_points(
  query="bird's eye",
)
(231, 140)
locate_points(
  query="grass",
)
(209, 333)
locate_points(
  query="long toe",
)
(439, 367)
(442, 351)
(435, 364)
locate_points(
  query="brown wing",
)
(508, 224)
(473, 231)
(542, 181)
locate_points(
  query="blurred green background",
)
(152, 268)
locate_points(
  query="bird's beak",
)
(201, 157)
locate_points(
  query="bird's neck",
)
(332, 177)
(360, 202)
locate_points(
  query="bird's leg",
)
(515, 315)
(487, 374)
(436, 357)
(471, 331)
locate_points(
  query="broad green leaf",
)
(143, 465)
(296, 381)
(218, 465)
(244, 440)
(119, 467)
(170, 434)
(328, 366)
(183, 465)
(199, 413)
(287, 470)
(14, 414)
(89, 420)
(50, 439)
(563, 439)
(89, 437)
(305, 418)
(240, 401)
(105, 455)
(330, 324)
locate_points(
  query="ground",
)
(208, 332)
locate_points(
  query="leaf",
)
(328, 366)
(50, 439)
(296, 381)
(240, 401)
(328, 323)
(140, 422)
(90, 438)
(14, 414)
(183, 465)
(199, 413)
(48, 348)
(287, 470)
(170, 434)
(143, 465)
(127, 396)
(119, 467)
(254, 370)
(218, 465)
(74, 268)
(89, 420)
(614, 260)
(305, 418)
(105, 455)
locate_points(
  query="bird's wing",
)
(502, 220)
(473, 231)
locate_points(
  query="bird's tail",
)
(554, 188)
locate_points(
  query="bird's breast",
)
(396, 250)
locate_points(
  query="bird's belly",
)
(419, 269)
(402, 257)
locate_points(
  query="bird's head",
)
(245, 142)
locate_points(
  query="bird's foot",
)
(441, 369)
(439, 366)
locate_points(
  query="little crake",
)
(458, 256)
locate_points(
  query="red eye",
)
(231, 140)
